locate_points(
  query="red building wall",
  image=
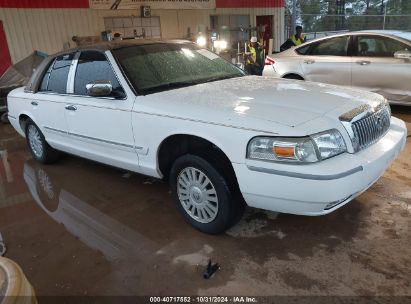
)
(85, 3)
(249, 3)
(5, 60)
(44, 3)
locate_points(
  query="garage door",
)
(130, 27)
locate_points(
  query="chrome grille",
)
(371, 128)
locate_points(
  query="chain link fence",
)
(323, 25)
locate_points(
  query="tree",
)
(335, 15)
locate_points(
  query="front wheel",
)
(39, 148)
(203, 195)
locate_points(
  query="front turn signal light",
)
(284, 152)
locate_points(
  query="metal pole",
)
(385, 14)
(293, 17)
(238, 52)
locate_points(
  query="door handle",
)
(309, 61)
(71, 108)
(34, 103)
(363, 62)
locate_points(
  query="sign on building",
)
(134, 27)
(154, 4)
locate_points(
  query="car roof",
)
(390, 33)
(387, 32)
(118, 44)
(371, 32)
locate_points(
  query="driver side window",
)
(371, 46)
(93, 66)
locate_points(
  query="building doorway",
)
(265, 25)
(5, 61)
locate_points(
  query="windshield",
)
(159, 67)
(404, 35)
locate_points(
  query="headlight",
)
(201, 41)
(308, 149)
(220, 44)
(329, 143)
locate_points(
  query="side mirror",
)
(404, 54)
(99, 88)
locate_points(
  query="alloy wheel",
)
(197, 195)
(35, 140)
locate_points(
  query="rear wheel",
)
(39, 148)
(3, 118)
(203, 195)
(293, 76)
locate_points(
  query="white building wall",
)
(278, 19)
(45, 29)
(49, 30)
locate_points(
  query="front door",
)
(375, 68)
(100, 127)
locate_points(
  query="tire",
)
(39, 148)
(4, 118)
(206, 198)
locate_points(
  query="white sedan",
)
(175, 111)
(376, 61)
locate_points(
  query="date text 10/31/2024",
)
(219, 299)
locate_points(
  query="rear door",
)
(376, 69)
(100, 127)
(327, 61)
(47, 105)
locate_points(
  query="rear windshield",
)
(159, 67)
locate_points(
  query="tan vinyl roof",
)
(34, 82)
(118, 44)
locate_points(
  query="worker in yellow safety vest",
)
(255, 58)
(294, 40)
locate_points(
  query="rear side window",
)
(303, 50)
(55, 79)
(331, 47)
(93, 66)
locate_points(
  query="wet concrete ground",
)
(82, 228)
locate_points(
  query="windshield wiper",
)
(220, 78)
(169, 86)
(181, 84)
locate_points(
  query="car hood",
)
(252, 99)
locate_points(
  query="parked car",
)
(377, 61)
(175, 111)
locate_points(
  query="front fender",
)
(231, 141)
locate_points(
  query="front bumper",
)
(318, 189)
